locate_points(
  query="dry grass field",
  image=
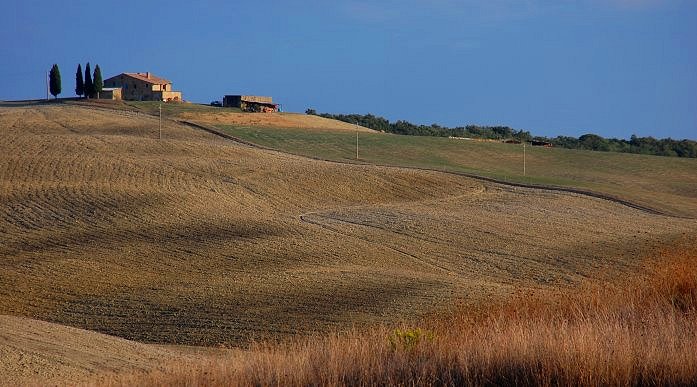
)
(270, 120)
(640, 330)
(230, 116)
(198, 240)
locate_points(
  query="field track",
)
(598, 195)
(198, 240)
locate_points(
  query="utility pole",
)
(523, 158)
(47, 87)
(160, 120)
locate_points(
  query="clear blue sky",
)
(612, 67)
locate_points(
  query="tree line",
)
(642, 145)
(407, 128)
(90, 86)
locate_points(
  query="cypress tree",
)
(88, 81)
(55, 81)
(97, 81)
(79, 82)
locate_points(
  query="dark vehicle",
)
(217, 103)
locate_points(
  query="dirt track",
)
(599, 195)
(198, 240)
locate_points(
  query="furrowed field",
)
(198, 259)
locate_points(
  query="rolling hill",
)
(198, 240)
(663, 183)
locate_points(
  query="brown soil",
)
(198, 240)
(41, 353)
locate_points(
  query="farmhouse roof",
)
(148, 77)
(255, 98)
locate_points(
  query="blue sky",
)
(612, 67)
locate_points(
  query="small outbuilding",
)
(250, 103)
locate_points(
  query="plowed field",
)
(35, 352)
(194, 239)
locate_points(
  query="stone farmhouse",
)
(140, 87)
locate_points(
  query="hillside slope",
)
(272, 120)
(33, 351)
(227, 116)
(667, 184)
(197, 240)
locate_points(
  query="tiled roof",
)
(151, 79)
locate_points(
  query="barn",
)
(250, 103)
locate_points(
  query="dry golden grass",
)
(637, 331)
(288, 121)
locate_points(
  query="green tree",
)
(88, 81)
(79, 82)
(97, 82)
(593, 142)
(55, 81)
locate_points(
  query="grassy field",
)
(668, 184)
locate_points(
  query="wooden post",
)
(160, 120)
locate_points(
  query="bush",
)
(409, 339)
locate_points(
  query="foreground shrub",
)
(408, 339)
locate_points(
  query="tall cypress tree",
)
(55, 81)
(79, 82)
(97, 81)
(88, 81)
